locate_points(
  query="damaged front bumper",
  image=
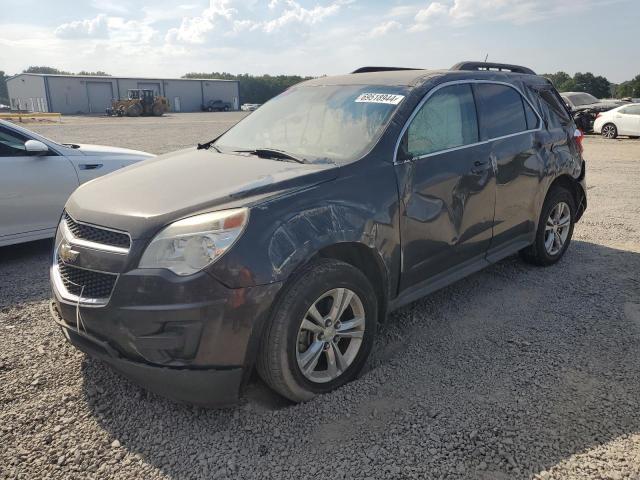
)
(199, 351)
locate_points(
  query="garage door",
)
(100, 95)
(150, 86)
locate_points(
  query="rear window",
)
(501, 111)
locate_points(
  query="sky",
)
(170, 38)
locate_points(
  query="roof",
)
(114, 77)
(411, 78)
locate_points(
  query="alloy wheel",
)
(557, 228)
(609, 131)
(330, 335)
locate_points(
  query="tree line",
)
(260, 88)
(255, 89)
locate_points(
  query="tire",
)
(209, 109)
(540, 253)
(134, 110)
(158, 110)
(609, 131)
(226, 109)
(286, 344)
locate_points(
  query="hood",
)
(145, 196)
(111, 151)
(600, 106)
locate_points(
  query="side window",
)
(533, 121)
(12, 144)
(631, 110)
(447, 120)
(553, 109)
(501, 110)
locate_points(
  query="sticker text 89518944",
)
(387, 98)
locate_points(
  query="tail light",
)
(579, 137)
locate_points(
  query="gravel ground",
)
(514, 372)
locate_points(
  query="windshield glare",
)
(336, 123)
(582, 99)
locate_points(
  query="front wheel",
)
(609, 131)
(321, 331)
(555, 229)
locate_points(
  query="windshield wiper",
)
(273, 153)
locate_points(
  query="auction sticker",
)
(387, 98)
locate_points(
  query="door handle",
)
(90, 166)
(479, 163)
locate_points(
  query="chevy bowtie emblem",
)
(67, 254)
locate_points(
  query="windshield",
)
(337, 123)
(582, 99)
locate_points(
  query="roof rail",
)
(381, 69)
(478, 66)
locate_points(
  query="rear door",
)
(33, 188)
(447, 188)
(509, 125)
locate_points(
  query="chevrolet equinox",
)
(281, 244)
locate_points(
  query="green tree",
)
(597, 86)
(49, 70)
(99, 73)
(254, 89)
(4, 94)
(561, 80)
(629, 88)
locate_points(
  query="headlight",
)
(189, 245)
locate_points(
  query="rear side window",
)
(501, 111)
(447, 120)
(553, 109)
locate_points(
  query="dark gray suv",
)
(281, 244)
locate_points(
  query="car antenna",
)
(486, 58)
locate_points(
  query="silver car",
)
(37, 175)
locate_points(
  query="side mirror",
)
(35, 146)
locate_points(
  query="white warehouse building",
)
(79, 94)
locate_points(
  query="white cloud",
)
(384, 28)
(194, 29)
(425, 17)
(90, 28)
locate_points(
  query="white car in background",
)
(624, 120)
(37, 175)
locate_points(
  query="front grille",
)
(97, 234)
(86, 283)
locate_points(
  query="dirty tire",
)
(277, 360)
(609, 131)
(537, 253)
(158, 110)
(134, 110)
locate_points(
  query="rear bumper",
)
(204, 386)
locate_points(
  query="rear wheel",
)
(158, 110)
(226, 108)
(209, 109)
(609, 131)
(555, 229)
(321, 331)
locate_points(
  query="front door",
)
(629, 120)
(33, 188)
(447, 188)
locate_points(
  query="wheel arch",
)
(368, 261)
(573, 185)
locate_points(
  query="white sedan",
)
(37, 175)
(624, 120)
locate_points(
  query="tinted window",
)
(532, 119)
(501, 110)
(553, 109)
(447, 120)
(11, 144)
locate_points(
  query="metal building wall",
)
(227, 91)
(27, 92)
(70, 95)
(187, 92)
